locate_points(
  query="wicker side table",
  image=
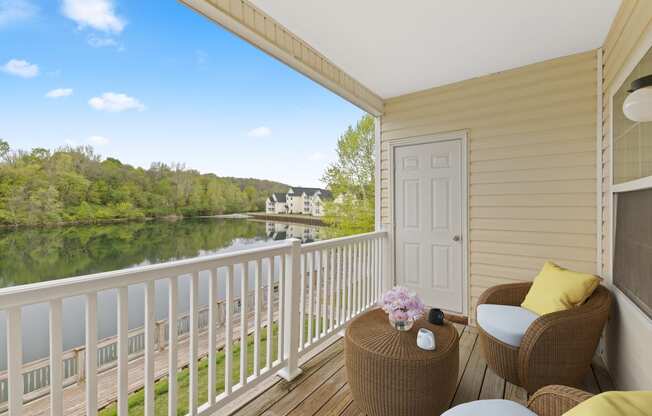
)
(389, 375)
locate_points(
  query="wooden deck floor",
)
(322, 387)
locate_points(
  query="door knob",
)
(457, 238)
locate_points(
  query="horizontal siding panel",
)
(532, 250)
(529, 151)
(563, 93)
(535, 213)
(552, 226)
(586, 159)
(533, 200)
(550, 187)
(554, 134)
(543, 72)
(509, 273)
(525, 262)
(498, 117)
(534, 175)
(535, 238)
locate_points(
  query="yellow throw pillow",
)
(615, 403)
(557, 289)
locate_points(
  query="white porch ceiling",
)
(398, 47)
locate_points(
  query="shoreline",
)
(298, 219)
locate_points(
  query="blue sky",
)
(150, 80)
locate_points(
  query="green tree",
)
(352, 178)
(74, 184)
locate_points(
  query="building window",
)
(632, 269)
(631, 233)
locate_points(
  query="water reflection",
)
(33, 255)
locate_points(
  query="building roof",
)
(279, 197)
(311, 191)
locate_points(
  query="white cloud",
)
(12, 11)
(261, 131)
(59, 92)
(115, 102)
(316, 156)
(97, 14)
(98, 140)
(101, 41)
(21, 68)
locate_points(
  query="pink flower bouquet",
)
(402, 307)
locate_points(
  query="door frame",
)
(462, 137)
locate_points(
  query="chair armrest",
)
(509, 294)
(558, 347)
(556, 400)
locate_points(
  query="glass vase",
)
(401, 325)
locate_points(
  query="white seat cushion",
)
(489, 408)
(505, 323)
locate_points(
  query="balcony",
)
(297, 299)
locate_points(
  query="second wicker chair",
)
(557, 348)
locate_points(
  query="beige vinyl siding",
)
(253, 25)
(629, 333)
(532, 164)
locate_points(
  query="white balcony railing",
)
(307, 292)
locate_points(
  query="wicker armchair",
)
(556, 349)
(556, 400)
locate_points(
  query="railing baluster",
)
(228, 335)
(331, 315)
(270, 311)
(317, 260)
(325, 299)
(358, 277)
(338, 286)
(281, 309)
(91, 354)
(56, 351)
(15, 361)
(243, 323)
(257, 280)
(123, 351)
(212, 328)
(310, 259)
(173, 294)
(150, 328)
(349, 282)
(302, 301)
(194, 344)
(367, 274)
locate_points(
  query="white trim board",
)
(462, 136)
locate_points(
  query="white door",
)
(428, 222)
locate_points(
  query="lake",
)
(30, 255)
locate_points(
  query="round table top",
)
(373, 333)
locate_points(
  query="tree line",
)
(68, 185)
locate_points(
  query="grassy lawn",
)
(137, 399)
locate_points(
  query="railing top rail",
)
(342, 240)
(74, 286)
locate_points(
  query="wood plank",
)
(337, 404)
(305, 389)
(320, 396)
(467, 340)
(493, 386)
(515, 393)
(471, 382)
(352, 410)
(257, 405)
